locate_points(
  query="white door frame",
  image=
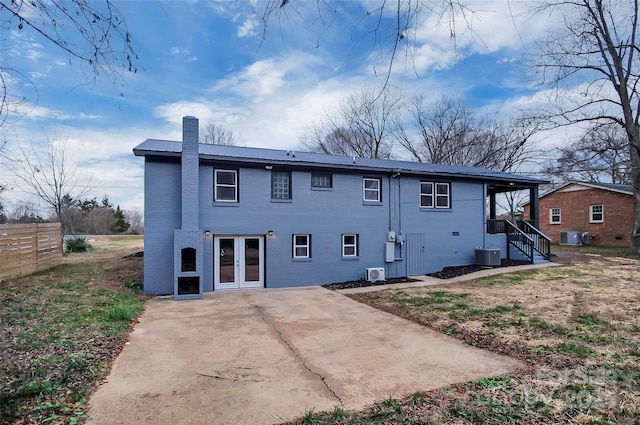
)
(246, 270)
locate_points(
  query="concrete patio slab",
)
(266, 356)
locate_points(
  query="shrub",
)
(77, 244)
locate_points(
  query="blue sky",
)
(208, 59)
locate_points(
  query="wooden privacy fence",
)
(28, 248)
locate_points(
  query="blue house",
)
(227, 217)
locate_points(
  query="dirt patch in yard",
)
(361, 283)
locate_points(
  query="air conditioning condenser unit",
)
(570, 238)
(374, 274)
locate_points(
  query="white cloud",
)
(258, 79)
(248, 27)
(34, 112)
(442, 39)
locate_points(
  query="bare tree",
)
(363, 125)
(136, 218)
(92, 33)
(449, 132)
(47, 174)
(25, 212)
(600, 156)
(598, 44)
(214, 134)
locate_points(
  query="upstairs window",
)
(371, 190)
(596, 213)
(435, 195)
(350, 245)
(280, 185)
(301, 246)
(226, 186)
(555, 216)
(321, 181)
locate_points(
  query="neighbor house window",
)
(596, 213)
(226, 185)
(554, 216)
(323, 181)
(371, 190)
(280, 185)
(349, 245)
(435, 195)
(301, 246)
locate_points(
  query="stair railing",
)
(519, 239)
(542, 243)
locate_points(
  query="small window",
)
(280, 185)
(555, 216)
(435, 195)
(349, 245)
(324, 181)
(371, 190)
(442, 195)
(226, 186)
(596, 213)
(301, 246)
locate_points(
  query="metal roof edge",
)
(174, 148)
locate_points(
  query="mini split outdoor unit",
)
(374, 274)
(575, 238)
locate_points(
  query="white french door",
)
(238, 262)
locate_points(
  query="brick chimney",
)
(188, 239)
(190, 173)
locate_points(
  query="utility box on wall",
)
(488, 257)
(390, 252)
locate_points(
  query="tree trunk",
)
(635, 179)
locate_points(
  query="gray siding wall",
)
(162, 214)
(325, 214)
(450, 235)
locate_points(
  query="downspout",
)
(484, 214)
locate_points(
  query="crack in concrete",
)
(261, 312)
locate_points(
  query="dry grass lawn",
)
(577, 327)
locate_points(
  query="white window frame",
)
(353, 245)
(434, 196)
(216, 185)
(377, 190)
(324, 177)
(289, 177)
(306, 246)
(553, 213)
(592, 212)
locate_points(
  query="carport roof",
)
(264, 157)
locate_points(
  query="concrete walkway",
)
(266, 356)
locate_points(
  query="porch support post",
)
(534, 207)
(492, 206)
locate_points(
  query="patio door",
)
(238, 262)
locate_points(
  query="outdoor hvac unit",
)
(488, 257)
(571, 238)
(374, 274)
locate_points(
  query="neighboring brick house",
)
(603, 210)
